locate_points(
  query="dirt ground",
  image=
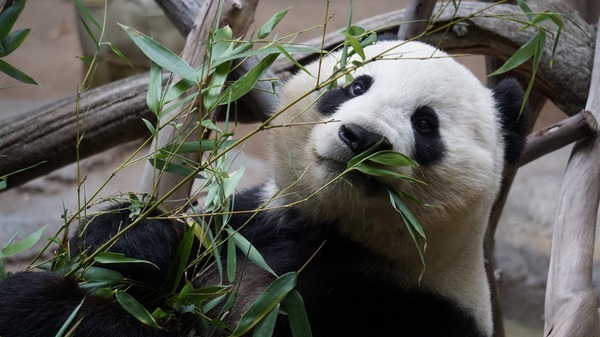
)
(50, 53)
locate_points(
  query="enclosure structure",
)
(572, 84)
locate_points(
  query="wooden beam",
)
(571, 308)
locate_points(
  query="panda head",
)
(413, 99)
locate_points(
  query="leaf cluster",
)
(10, 41)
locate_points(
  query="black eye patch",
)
(429, 146)
(332, 99)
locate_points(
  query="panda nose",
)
(359, 140)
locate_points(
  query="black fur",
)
(429, 146)
(331, 100)
(153, 240)
(37, 304)
(509, 97)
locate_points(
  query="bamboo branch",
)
(556, 136)
(238, 14)
(571, 308)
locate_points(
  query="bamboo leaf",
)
(161, 55)
(245, 83)
(170, 167)
(9, 16)
(112, 257)
(87, 14)
(180, 261)
(3, 184)
(266, 327)
(299, 324)
(150, 126)
(527, 51)
(392, 158)
(67, 323)
(22, 245)
(15, 73)
(248, 249)
(118, 52)
(268, 300)
(102, 275)
(355, 45)
(11, 42)
(215, 87)
(178, 89)
(153, 96)
(268, 26)
(193, 147)
(231, 261)
(132, 306)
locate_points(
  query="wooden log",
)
(571, 308)
(416, 18)
(182, 13)
(238, 14)
(566, 82)
(109, 115)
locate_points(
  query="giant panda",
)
(365, 276)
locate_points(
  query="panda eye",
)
(357, 89)
(359, 86)
(423, 125)
(425, 120)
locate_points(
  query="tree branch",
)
(416, 18)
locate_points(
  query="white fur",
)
(462, 186)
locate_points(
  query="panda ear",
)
(509, 96)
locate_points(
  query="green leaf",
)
(161, 55)
(178, 89)
(354, 30)
(179, 170)
(103, 275)
(90, 34)
(230, 183)
(69, 320)
(292, 59)
(526, 10)
(3, 184)
(215, 87)
(245, 83)
(207, 123)
(520, 56)
(248, 249)
(180, 261)
(132, 306)
(231, 261)
(154, 94)
(11, 42)
(274, 50)
(268, 300)
(15, 73)
(266, 326)
(9, 16)
(118, 52)
(380, 172)
(87, 14)
(193, 147)
(112, 257)
(294, 306)
(356, 46)
(150, 126)
(22, 245)
(392, 158)
(268, 27)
